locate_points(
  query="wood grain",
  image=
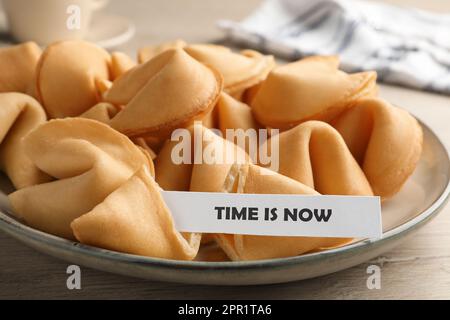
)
(417, 269)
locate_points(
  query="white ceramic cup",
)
(46, 21)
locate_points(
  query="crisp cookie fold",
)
(19, 115)
(102, 112)
(120, 64)
(149, 52)
(235, 115)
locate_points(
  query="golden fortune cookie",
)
(240, 71)
(134, 219)
(102, 86)
(120, 64)
(233, 114)
(147, 53)
(315, 154)
(68, 74)
(207, 167)
(88, 161)
(172, 176)
(205, 172)
(310, 89)
(145, 146)
(168, 92)
(207, 159)
(17, 67)
(209, 174)
(385, 140)
(102, 112)
(19, 115)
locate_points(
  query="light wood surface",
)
(419, 268)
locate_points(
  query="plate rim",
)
(14, 227)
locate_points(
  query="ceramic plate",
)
(422, 197)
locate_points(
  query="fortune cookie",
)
(233, 114)
(144, 145)
(173, 175)
(134, 219)
(310, 89)
(315, 154)
(131, 131)
(170, 91)
(102, 112)
(147, 53)
(252, 179)
(218, 155)
(385, 140)
(120, 64)
(240, 71)
(17, 67)
(206, 165)
(199, 161)
(102, 86)
(19, 114)
(87, 159)
(249, 94)
(68, 74)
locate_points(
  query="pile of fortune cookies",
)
(85, 140)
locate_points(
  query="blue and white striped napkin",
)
(405, 46)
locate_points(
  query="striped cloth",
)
(405, 46)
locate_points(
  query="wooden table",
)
(419, 268)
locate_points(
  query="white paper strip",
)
(276, 215)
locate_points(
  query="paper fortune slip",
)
(276, 215)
